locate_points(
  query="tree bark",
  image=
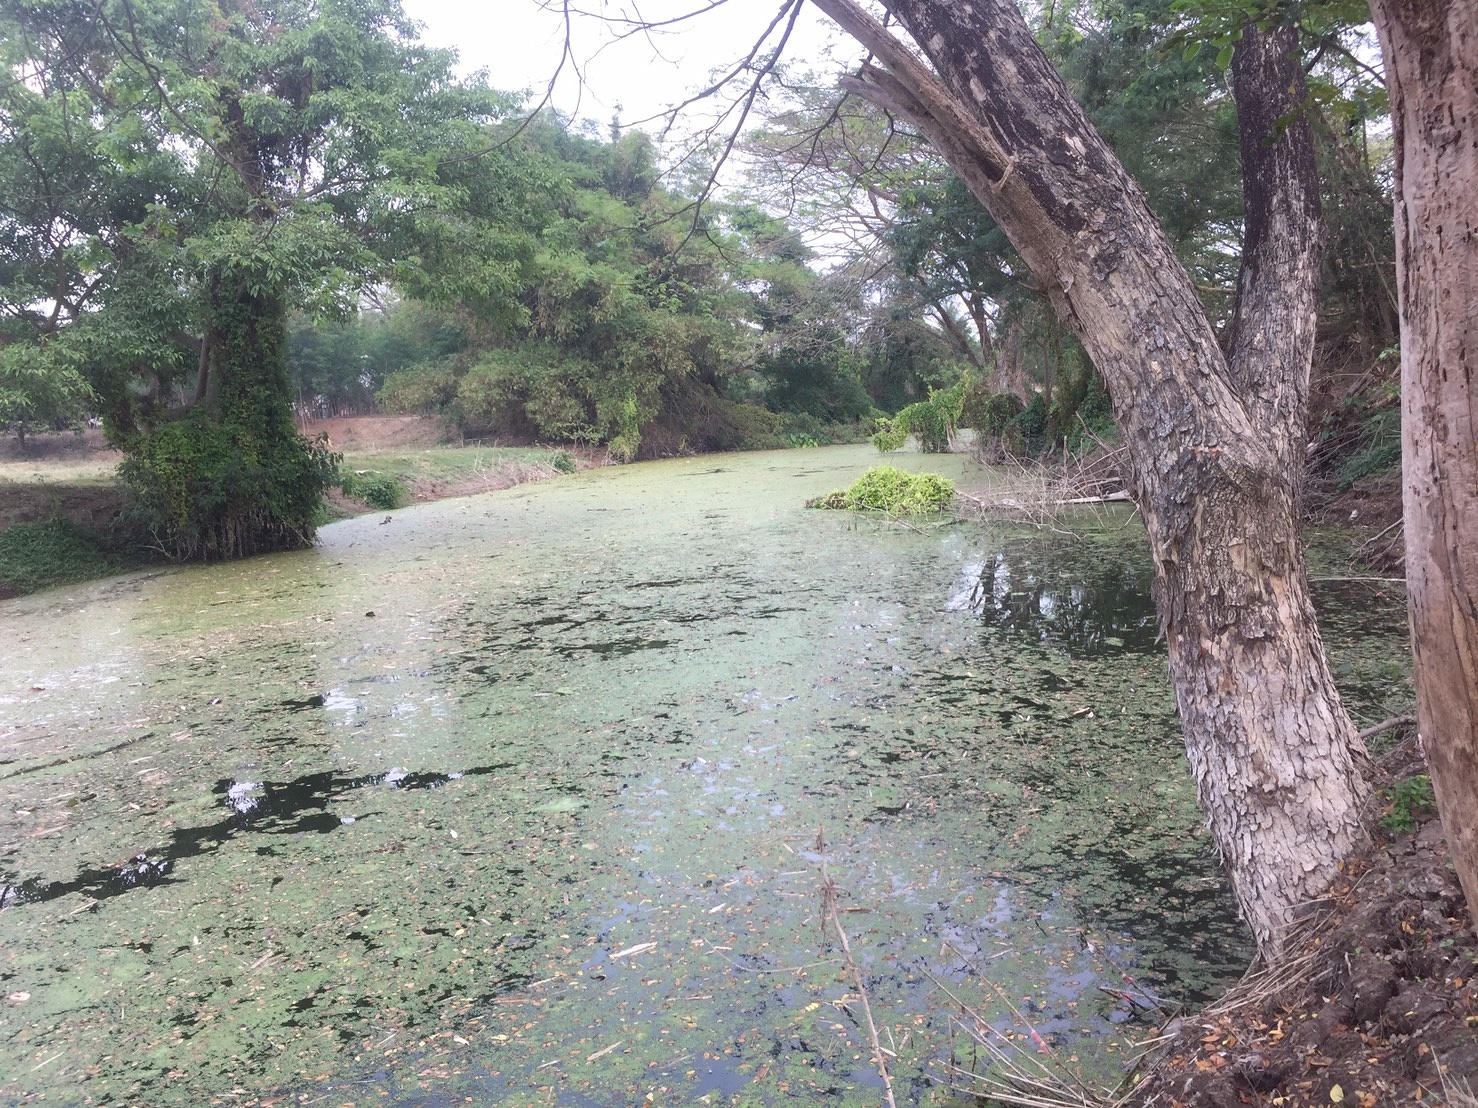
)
(1010, 375)
(981, 319)
(1214, 440)
(956, 335)
(1431, 55)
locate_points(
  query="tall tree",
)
(1215, 436)
(253, 157)
(1431, 55)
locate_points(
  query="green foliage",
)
(933, 420)
(990, 413)
(536, 389)
(994, 417)
(893, 491)
(41, 387)
(798, 428)
(1409, 800)
(210, 490)
(627, 438)
(175, 173)
(1378, 449)
(382, 491)
(232, 477)
(801, 441)
(563, 461)
(36, 556)
(1032, 423)
(427, 388)
(340, 366)
(890, 436)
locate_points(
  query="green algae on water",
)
(517, 798)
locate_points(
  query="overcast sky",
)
(519, 45)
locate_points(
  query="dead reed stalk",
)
(832, 916)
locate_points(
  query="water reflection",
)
(1060, 595)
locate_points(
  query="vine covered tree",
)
(206, 166)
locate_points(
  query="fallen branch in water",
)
(830, 915)
(1028, 1081)
(1386, 725)
(1037, 494)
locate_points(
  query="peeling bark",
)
(1214, 438)
(1431, 54)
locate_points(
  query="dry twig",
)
(831, 915)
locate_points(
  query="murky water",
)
(516, 798)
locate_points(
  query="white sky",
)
(519, 45)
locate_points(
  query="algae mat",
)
(516, 799)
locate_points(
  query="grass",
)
(445, 463)
(35, 556)
(57, 513)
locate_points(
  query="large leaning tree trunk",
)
(1431, 54)
(1215, 438)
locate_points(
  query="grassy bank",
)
(63, 515)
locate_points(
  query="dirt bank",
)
(367, 434)
(1380, 1005)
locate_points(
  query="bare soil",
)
(1378, 1007)
(67, 474)
(378, 432)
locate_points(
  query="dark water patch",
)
(98, 883)
(614, 648)
(297, 807)
(1086, 602)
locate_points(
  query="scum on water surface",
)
(516, 798)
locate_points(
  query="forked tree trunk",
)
(1431, 53)
(1215, 440)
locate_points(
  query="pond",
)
(518, 798)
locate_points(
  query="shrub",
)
(427, 389)
(1032, 423)
(380, 491)
(1379, 449)
(891, 435)
(563, 461)
(211, 490)
(891, 490)
(56, 551)
(628, 418)
(1409, 799)
(933, 420)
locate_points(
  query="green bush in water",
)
(891, 435)
(379, 490)
(891, 490)
(563, 461)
